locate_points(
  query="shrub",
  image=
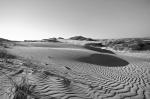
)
(5, 54)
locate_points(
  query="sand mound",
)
(69, 54)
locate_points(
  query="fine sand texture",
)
(78, 73)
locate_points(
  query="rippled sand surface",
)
(85, 74)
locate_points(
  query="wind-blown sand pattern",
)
(85, 74)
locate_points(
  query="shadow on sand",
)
(104, 60)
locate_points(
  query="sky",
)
(41, 19)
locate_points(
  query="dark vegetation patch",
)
(97, 47)
(4, 40)
(5, 54)
(131, 44)
(127, 44)
(6, 43)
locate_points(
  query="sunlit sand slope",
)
(89, 74)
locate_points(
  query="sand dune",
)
(83, 74)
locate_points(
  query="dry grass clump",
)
(20, 89)
(23, 90)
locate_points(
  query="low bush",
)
(5, 54)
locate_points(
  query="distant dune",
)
(81, 38)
